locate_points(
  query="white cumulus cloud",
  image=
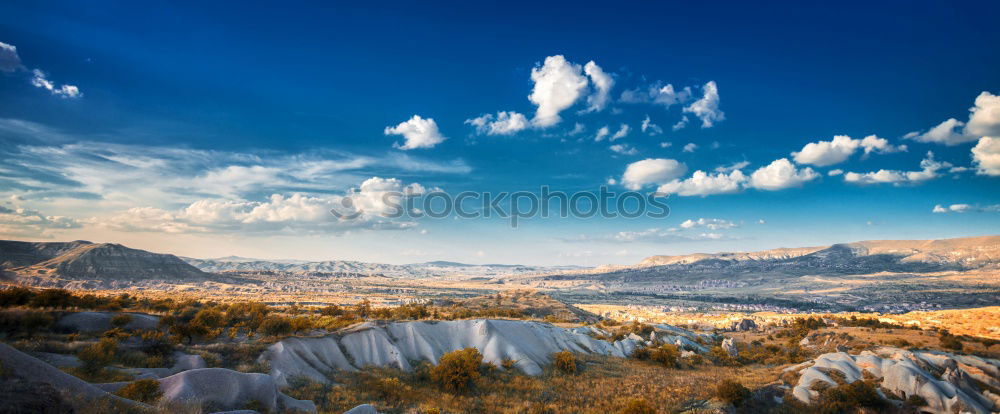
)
(984, 120)
(986, 156)
(649, 127)
(40, 79)
(704, 184)
(966, 208)
(710, 223)
(781, 174)
(558, 85)
(9, 60)
(503, 123)
(602, 86)
(602, 133)
(624, 149)
(622, 132)
(838, 150)
(984, 117)
(707, 108)
(929, 169)
(651, 171)
(417, 132)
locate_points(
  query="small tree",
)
(144, 390)
(732, 392)
(565, 361)
(458, 370)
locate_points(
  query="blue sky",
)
(209, 129)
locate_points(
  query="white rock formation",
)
(362, 409)
(227, 389)
(101, 321)
(396, 344)
(19, 365)
(941, 378)
(729, 345)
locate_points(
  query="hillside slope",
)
(81, 260)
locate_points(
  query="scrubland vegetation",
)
(661, 377)
(598, 385)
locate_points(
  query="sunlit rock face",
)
(396, 344)
(945, 380)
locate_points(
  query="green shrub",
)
(732, 392)
(638, 406)
(565, 362)
(144, 390)
(457, 370)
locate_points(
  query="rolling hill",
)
(83, 260)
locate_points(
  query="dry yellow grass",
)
(603, 385)
(981, 322)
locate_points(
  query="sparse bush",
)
(120, 320)
(508, 364)
(97, 356)
(457, 370)
(848, 398)
(15, 296)
(332, 310)
(666, 354)
(24, 321)
(949, 341)
(732, 392)
(565, 362)
(144, 390)
(900, 343)
(638, 406)
(52, 298)
(916, 400)
(274, 325)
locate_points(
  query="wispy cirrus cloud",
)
(133, 187)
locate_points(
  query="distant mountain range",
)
(428, 269)
(83, 260)
(866, 257)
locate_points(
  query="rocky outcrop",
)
(940, 378)
(223, 389)
(743, 325)
(26, 369)
(362, 409)
(101, 321)
(397, 344)
(729, 345)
